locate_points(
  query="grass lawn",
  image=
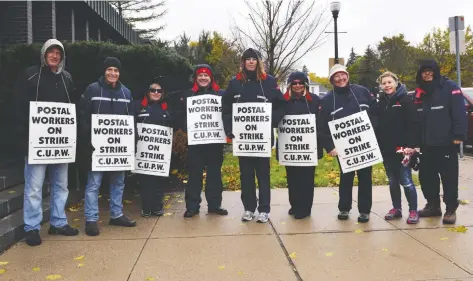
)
(326, 173)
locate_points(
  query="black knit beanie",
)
(250, 53)
(112, 62)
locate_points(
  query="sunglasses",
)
(156, 91)
(297, 83)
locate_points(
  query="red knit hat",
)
(203, 68)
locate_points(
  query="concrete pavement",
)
(209, 247)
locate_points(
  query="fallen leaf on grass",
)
(127, 201)
(100, 196)
(167, 206)
(329, 254)
(174, 171)
(53, 277)
(75, 225)
(464, 202)
(76, 220)
(3, 263)
(292, 255)
(221, 267)
(384, 250)
(11, 191)
(73, 209)
(184, 181)
(150, 279)
(36, 269)
(80, 265)
(443, 238)
(359, 231)
(79, 258)
(168, 214)
(459, 229)
(2, 270)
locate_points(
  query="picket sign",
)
(204, 120)
(154, 150)
(252, 129)
(355, 142)
(52, 133)
(113, 139)
(297, 140)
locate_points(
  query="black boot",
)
(65, 230)
(92, 228)
(431, 210)
(122, 221)
(190, 213)
(291, 212)
(33, 238)
(219, 211)
(450, 216)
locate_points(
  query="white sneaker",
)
(263, 217)
(248, 216)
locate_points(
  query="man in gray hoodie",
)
(48, 82)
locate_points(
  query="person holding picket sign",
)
(153, 109)
(300, 159)
(51, 86)
(266, 107)
(108, 96)
(198, 112)
(397, 136)
(343, 101)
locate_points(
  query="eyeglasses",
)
(156, 90)
(297, 83)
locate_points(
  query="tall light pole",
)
(335, 8)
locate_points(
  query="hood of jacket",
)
(428, 64)
(50, 43)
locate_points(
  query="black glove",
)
(414, 162)
(230, 135)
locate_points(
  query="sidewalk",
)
(210, 247)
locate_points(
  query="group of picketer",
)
(117, 134)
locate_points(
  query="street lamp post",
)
(335, 8)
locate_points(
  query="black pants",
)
(300, 184)
(365, 193)
(207, 157)
(248, 167)
(443, 161)
(151, 192)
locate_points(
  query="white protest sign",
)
(154, 149)
(52, 133)
(297, 140)
(355, 142)
(204, 120)
(252, 129)
(113, 137)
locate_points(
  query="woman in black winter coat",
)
(152, 109)
(396, 136)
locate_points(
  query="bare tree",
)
(141, 11)
(283, 31)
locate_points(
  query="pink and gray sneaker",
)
(413, 217)
(393, 214)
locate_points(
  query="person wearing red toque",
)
(200, 157)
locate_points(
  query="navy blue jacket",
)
(335, 105)
(398, 124)
(304, 105)
(442, 114)
(155, 113)
(178, 104)
(101, 98)
(265, 90)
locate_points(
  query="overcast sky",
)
(365, 21)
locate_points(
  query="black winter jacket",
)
(442, 111)
(38, 84)
(398, 124)
(345, 102)
(265, 90)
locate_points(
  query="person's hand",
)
(230, 135)
(409, 151)
(457, 141)
(333, 153)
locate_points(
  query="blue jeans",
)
(399, 174)
(33, 197)
(117, 185)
